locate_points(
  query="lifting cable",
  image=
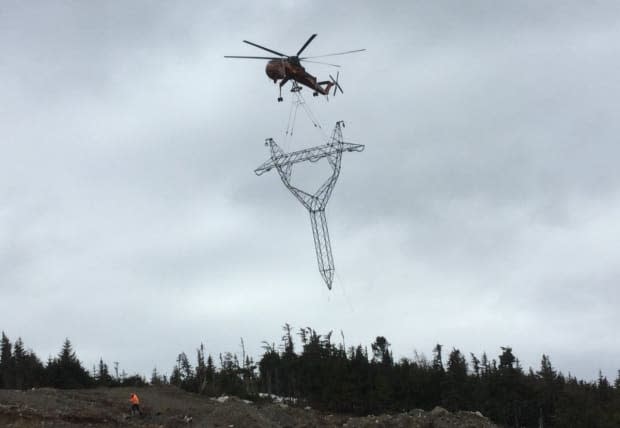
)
(292, 116)
(298, 100)
(311, 115)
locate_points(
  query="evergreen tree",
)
(287, 340)
(66, 371)
(103, 375)
(437, 359)
(507, 385)
(454, 389)
(182, 374)
(156, 379)
(34, 371)
(185, 367)
(484, 362)
(6, 363)
(208, 373)
(269, 368)
(201, 370)
(437, 375)
(548, 389)
(210, 370)
(604, 388)
(381, 351)
(475, 364)
(175, 377)
(228, 378)
(19, 364)
(289, 375)
(507, 359)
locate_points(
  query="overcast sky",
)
(483, 212)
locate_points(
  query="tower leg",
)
(322, 246)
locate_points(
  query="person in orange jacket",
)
(135, 404)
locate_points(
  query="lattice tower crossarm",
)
(314, 202)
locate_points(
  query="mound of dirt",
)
(167, 406)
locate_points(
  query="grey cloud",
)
(486, 198)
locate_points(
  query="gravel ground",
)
(171, 407)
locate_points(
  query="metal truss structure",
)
(314, 202)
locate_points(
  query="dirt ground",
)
(171, 407)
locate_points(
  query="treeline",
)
(330, 376)
(22, 369)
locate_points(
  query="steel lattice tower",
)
(315, 203)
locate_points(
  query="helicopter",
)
(288, 67)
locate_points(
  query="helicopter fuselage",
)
(285, 70)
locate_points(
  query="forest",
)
(311, 369)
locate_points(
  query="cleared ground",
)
(171, 407)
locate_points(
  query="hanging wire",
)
(290, 125)
(313, 118)
(297, 101)
(344, 292)
(289, 131)
(292, 116)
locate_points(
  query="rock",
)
(439, 411)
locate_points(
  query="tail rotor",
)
(336, 84)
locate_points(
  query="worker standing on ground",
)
(135, 404)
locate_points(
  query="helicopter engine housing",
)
(276, 69)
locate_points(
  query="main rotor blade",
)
(332, 54)
(264, 48)
(306, 44)
(319, 62)
(252, 57)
